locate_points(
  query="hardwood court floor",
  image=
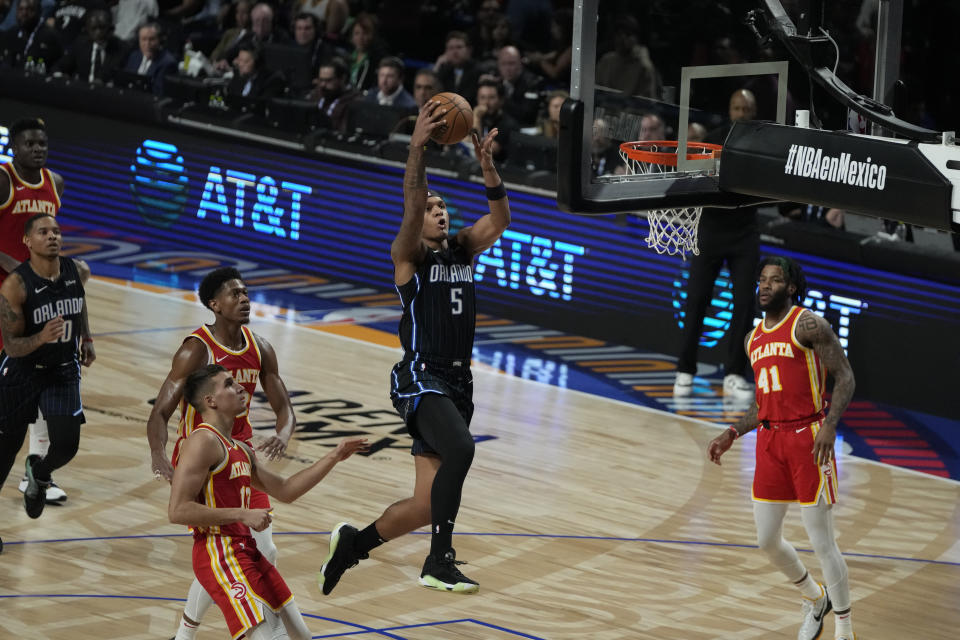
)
(581, 518)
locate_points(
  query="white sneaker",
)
(737, 386)
(55, 495)
(814, 611)
(683, 385)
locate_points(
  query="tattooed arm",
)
(13, 293)
(407, 248)
(815, 332)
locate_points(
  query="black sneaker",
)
(442, 573)
(35, 496)
(340, 557)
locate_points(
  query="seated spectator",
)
(652, 127)
(489, 114)
(485, 21)
(605, 157)
(263, 30)
(389, 90)
(69, 18)
(425, 86)
(233, 36)
(150, 59)
(696, 132)
(366, 53)
(30, 44)
(521, 88)
(555, 65)
(628, 68)
(332, 94)
(306, 34)
(97, 55)
(8, 12)
(456, 68)
(251, 79)
(549, 124)
(337, 26)
(128, 15)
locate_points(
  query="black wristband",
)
(496, 193)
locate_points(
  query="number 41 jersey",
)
(439, 309)
(790, 377)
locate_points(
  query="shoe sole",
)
(334, 541)
(461, 587)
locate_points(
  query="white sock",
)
(198, 601)
(39, 439)
(186, 631)
(844, 626)
(809, 588)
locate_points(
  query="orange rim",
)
(695, 151)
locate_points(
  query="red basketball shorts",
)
(258, 499)
(239, 579)
(786, 470)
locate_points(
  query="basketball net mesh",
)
(672, 231)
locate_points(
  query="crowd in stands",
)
(510, 59)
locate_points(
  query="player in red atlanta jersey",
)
(792, 351)
(249, 358)
(212, 483)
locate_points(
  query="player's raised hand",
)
(719, 445)
(485, 149)
(256, 519)
(429, 118)
(350, 446)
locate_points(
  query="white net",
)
(672, 231)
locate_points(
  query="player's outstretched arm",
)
(488, 229)
(279, 400)
(814, 331)
(13, 294)
(191, 355)
(289, 489)
(198, 454)
(407, 248)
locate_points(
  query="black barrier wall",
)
(591, 276)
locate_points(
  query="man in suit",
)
(30, 43)
(251, 80)
(98, 54)
(389, 90)
(456, 68)
(332, 94)
(151, 59)
(521, 88)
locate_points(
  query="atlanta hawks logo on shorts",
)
(238, 591)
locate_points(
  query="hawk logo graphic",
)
(238, 590)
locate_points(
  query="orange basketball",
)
(458, 120)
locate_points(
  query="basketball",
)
(457, 122)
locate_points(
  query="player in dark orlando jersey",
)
(431, 387)
(43, 315)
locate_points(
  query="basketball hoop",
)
(672, 231)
